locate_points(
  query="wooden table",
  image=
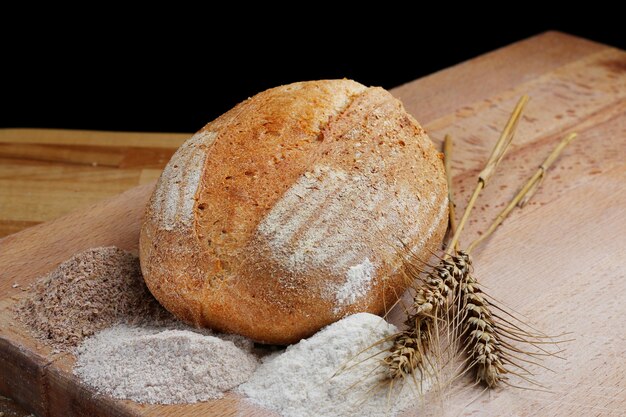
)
(559, 261)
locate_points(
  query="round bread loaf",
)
(292, 210)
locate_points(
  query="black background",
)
(177, 77)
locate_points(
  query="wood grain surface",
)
(559, 261)
(47, 173)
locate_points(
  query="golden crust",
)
(291, 210)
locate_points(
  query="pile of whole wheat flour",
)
(156, 366)
(92, 290)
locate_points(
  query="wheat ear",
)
(490, 355)
(431, 298)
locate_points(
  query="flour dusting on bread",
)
(324, 230)
(174, 197)
(337, 227)
(358, 283)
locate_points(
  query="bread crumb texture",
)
(293, 210)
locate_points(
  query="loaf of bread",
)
(292, 210)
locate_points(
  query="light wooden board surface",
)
(44, 174)
(559, 261)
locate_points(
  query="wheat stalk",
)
(431, 298)
(527, 191)
(447, 161)
(485, 337)
(451, 288)
(497, 153)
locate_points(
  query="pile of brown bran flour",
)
(92, 290)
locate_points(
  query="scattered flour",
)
(300, 381)
(149, 365)
(358, 280)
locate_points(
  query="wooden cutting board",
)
(559, 261)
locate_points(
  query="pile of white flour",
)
(157, 366)
(302, 382)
